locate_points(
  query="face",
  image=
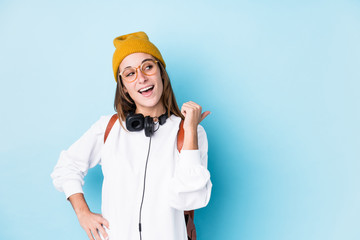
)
(147, 102)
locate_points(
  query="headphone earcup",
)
(135, 122)
(162, 118)
(149, 126)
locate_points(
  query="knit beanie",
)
(133, 43)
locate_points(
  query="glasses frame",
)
(139, 67)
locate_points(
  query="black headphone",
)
(137, 122)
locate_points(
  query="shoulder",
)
(104, 120)
(101, 124)
(173, 117)
(174, 121)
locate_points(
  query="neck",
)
(157, 112)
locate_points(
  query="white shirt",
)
(174, 182)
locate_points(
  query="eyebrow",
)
(147, 59)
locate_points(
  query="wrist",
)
(192, 130)
(190, 139)
(79, 204)
(84, 210)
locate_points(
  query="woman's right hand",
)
(93, 223)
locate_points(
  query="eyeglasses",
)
(148, 68)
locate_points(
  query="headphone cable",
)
(142, 199)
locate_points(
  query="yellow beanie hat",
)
(133, 43)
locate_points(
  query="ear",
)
(125, 90)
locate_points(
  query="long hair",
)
(124, 104)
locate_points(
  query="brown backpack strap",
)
(190, 226)
(180, 136)
(189, 215)
(110, 125)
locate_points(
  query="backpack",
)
(189, 215)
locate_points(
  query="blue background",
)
(281, 79)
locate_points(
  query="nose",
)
(141, 76)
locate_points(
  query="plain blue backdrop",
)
(281, 79)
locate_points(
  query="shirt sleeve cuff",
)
(189, 158)
(72, 187)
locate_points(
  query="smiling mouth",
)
(146, 90)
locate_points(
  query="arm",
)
(70, 170)
(190, 187)
(193, 117)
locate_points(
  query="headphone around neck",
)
(137, 122)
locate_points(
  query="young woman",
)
(147, 183)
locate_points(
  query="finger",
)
(96, 234)
(190, 108)
(194, 107)
(103, 232)
(102, 220)
(183, 111)
(105, 223)
(191, 105)
(88, 232)
(204, 115)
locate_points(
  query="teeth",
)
(145, 89)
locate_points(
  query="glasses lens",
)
(148, 67)
(129, 74)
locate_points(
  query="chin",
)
(150, 104)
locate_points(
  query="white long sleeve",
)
(174, 182)
(190, 187)
(73, 164)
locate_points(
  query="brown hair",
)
(124, 104)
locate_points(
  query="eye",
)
(148, 66)
(129, 73)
